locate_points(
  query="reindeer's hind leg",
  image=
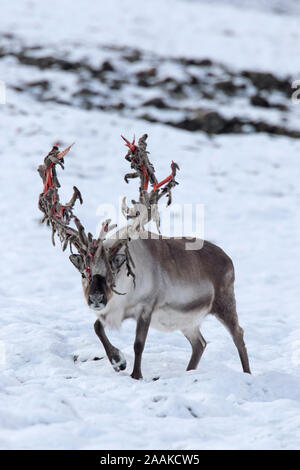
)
(224, 309)
(114, 355)
(198, 344)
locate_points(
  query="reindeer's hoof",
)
(136, 375)
(118, 361)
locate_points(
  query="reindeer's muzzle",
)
(97, 301)
(97, 298)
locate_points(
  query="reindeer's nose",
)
(96, 300)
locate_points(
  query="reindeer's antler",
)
(60, 216)
(138, 158)
(56, 215)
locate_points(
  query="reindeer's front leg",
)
(142, 328)
(114, 355)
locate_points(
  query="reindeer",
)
(142, 275)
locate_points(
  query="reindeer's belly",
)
(183, 308)
(169, 319)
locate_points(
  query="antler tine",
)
(81, 233)
(76, 195)
(61, 154)
(130, 145)
(106, 227)
(128, 212)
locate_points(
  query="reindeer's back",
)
(191, 265)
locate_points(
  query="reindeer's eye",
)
(118, 260)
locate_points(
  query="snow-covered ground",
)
(53, 395)
(243, 37)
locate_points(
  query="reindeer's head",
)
(96, 286)
(99, 267)
(98, 262)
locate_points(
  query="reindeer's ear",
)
(117, 261)
(77, 260)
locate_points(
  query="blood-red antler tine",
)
(61, 154)
(130, 145)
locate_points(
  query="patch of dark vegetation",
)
(43, 84)
(229, 88)
(134, 55)
(268, 81)
(258, 100)
(117, 85)
(214, 123)
(196, 62)
(210, 122)
(157, 103)
(107, 67)
(149, 118)
(46, 62)
(86, 92)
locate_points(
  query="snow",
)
(53, 395)
(245, 37)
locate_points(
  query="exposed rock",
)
(85, 92)
(145, 77)
(261, 126)
(107, 67)
(208, 121)
(156, 102)
(147, 73)
(214, 123)
(197, 62)
(268, 81)
(258, 100)
(229, 88)
(133, 56)
(149, 118)
(44, 84)
(116, 84)
(47, 62)
(177, 89)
